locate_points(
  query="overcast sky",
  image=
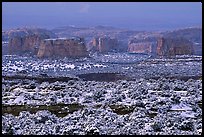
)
(131, 15)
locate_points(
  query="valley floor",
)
(142, 97)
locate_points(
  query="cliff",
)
(104, 44)
(27, 40)
(143, 47)
(146, 45)
(161, 46)
(193, 34)
(174, 46)
(62, 47)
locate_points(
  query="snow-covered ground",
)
(141, 106)
(130, 64)
(122, 107)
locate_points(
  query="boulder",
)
(62, 47)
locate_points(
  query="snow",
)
(16, 68)
(62, 38)
(127, 99)
(126, 67)
(188, 114)
(99, 65)
(71, 66)
(108, 94)
(84, 66)
(18, 89)
(18, 99)
(4, 42)
(181, 107)
(154, 91)
(148, 83)
(196, 43)
(89, 94)
(147, 126)
(59, 100)
(49, 39)
(169, 64)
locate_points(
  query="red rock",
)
(174, 46)
(143, 44)
(27, 40)
(143, 47)
(161, 46)
(15, 45)
(62, 48)
(104, 44)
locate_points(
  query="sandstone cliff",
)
(122, 35)
(62, 47)
(143, 47)
(193, 34)
(27, 40)
(104, 44)
(146, 45)
(174, 46)
(161, 46)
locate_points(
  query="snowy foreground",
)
(151, 97)
(124, 107)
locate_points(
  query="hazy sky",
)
(132, 15)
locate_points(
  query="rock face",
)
(122, 35)
(140, 47)
(62, 47)
(104, 44)
(174, 46)
(143, 45)
(25, 44)
(27, 40)
(192, 34)
(161, 46)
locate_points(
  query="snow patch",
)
(181, 107)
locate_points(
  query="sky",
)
(129, 15)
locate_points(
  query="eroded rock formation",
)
(104, 44)
(161, 46)
(174, 46)
(27, 40)
(143, 45)
(193, 34)
(63, 47)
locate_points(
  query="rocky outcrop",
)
(104, 44)
(27, 40)
(161, 46)
(25, 44)
(63, 47)
(174, 46)
(122, 35)
(143, 45)
(193, 34)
